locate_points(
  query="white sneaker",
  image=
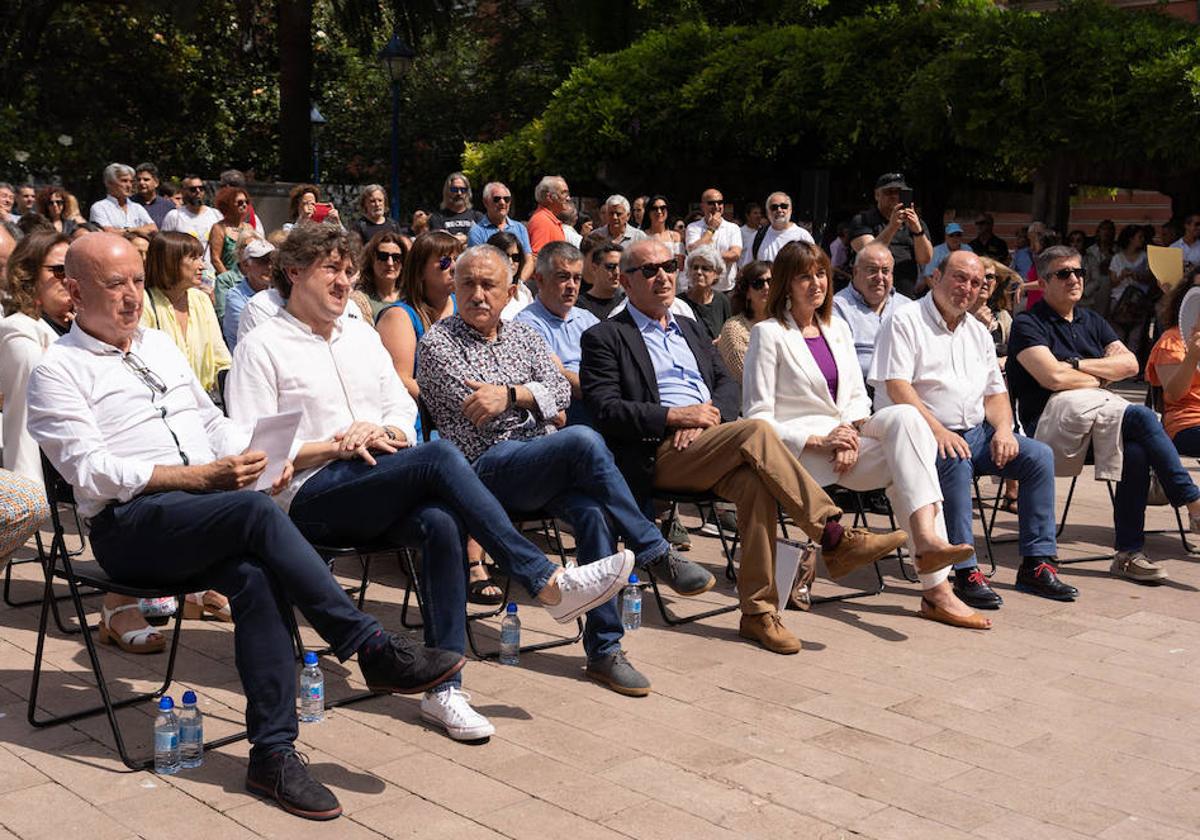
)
(588, 586)
(449, 708)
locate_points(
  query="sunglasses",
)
(59, 271)
(445, 262)
(612, 268)
(389, 256)
(505, 199)
(152, 379)
(781, 206)
(658, 208)
(650, 270)
(515, 256)
(459, 190)
(1067, 273)
(760, 283)
(720, 202)
(57, 201)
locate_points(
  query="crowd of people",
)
(460, 374)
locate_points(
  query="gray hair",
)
(489, 188)
(561, 250)
(767, 203)
(619, 200)
(450, 179)
(640, 245)
(704, 254)
(548, 184)
(1051, 255)
(116, 170)
(484, 251)
(876, 245)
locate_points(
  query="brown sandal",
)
(974, 621)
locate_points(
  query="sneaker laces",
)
(457, 704)
(583, 577)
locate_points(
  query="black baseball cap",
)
(891, 180)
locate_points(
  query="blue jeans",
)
(244, 546)
(1146, 446)
(1033, 467)
(571, 475)
(429, 496)
(1187, 442)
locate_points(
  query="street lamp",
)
(397, 57)
(315, 118)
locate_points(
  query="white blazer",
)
(782, 383)
(23, 341)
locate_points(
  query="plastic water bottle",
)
(191, 732)
(510, 637)
(166, 738)
(312, 690)
(631, 604)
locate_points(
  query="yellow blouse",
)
(203, 345)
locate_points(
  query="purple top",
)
(819, 347)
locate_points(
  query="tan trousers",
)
(746, 463)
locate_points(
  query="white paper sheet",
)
(787, 563)
(274, 435)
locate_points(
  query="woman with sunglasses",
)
(522, 296)
(748, 302)
(657, 212)
(234, 206)
(802, 375)
(52, 203)
(38, 309)
(379, 277)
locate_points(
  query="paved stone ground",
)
(1066, 720)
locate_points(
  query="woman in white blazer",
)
(801, 374)
(38, 309)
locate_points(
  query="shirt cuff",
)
(543, 397)
(136, 475)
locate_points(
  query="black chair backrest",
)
(427, 426)
(58, 490)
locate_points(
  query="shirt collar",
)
(296, 323)
(645, 322)
(543, 311)
(935, 315)
(89, 342)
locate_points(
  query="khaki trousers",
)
(745, 462)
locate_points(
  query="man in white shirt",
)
(358, 482)
(714, 229)
(118, 411)
(194, 218)
(768, 241)
(935, 357)
(1189, 243)
(116, 213)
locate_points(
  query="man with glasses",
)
(146, 193)
(155, 466)
(194, 217)
(553, 199)
(1058, 346)
(497, 201)
(661, 396)
(714, 229)
(116, 213)
(937, 357)
(868, 300)
(618, 229)
(899, 227)
(770, 239)
(986, 242)
(601, 276)
(456, 216)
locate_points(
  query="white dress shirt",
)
(728, 236)
(23, 341)
(105, 427)
(108, 213)
(952, 371)
(266, 304)
(773, 242)
(284, 366)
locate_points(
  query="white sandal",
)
(140, 640)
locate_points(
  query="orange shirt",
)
(544, 227)
(1183, 413)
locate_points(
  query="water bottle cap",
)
(165, 704)
(310, 657)
(189, 698)
(512, 608)
(633, 578)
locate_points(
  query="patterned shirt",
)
(452, 352)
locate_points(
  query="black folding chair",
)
(702, 501)
(77, 573)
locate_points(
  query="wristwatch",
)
(917, 234)
(512, 395)
(1074, 362)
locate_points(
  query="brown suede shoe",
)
(858, 547)
(767, 629)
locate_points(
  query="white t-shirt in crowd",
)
(194, 224)
(728, 236)
(773, 242)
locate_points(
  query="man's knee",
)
(1039, 455)
(437, 520)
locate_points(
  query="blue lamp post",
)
(397, 58)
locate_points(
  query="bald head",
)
(873, 276)
(88, 255)
(106, 280)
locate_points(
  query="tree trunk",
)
(1052, 196)
(295, 82)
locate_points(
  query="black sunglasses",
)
(720, 202)
(389, 256)
(459, 190)
(1064, 273)
(781, 206)
(759, 283)
(658, 208)
(650, 270)
(502, 198)
(59, 271)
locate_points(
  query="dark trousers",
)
(1146, 447)
(244, 546)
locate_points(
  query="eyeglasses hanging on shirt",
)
(156, 385)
